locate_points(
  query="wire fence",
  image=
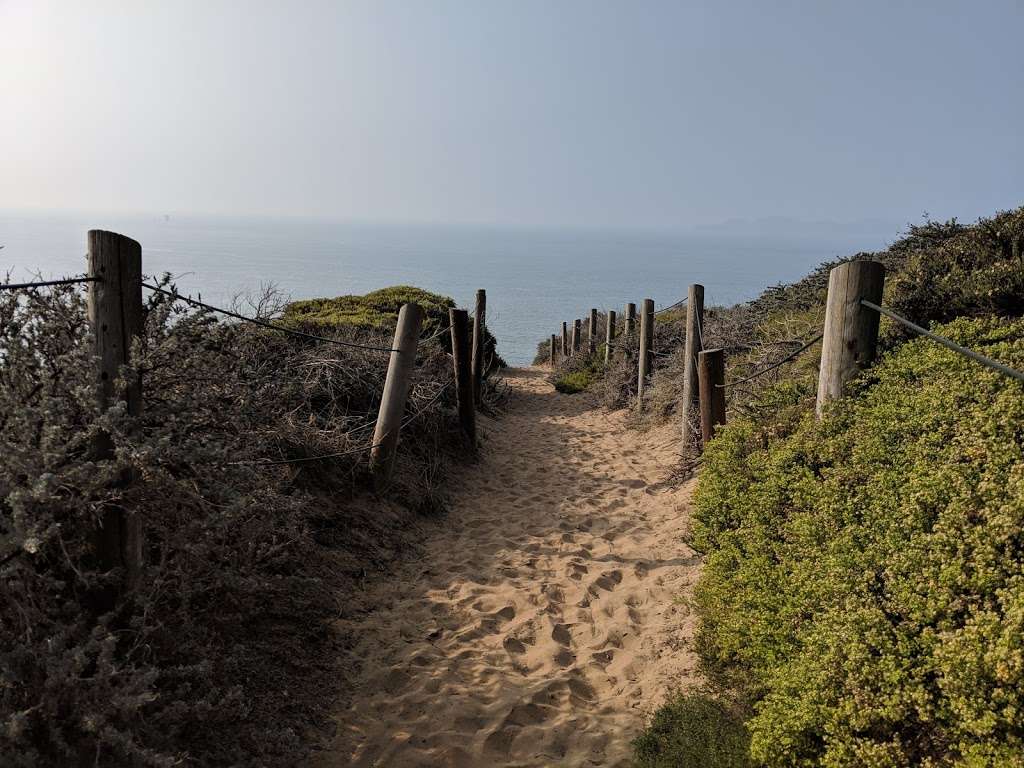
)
(174, 296)
(48, 283)
(435, 335)
(948, 343)
(672, 306)
(774, 365)
(352, 451)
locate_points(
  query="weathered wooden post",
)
(576, 336)
(691, 384)
(646, 346)
(850, 337)
(479, 326)
(609, 336)
(565, 339)
(115, 314)
(592, 332)
(463, 375)
(630, 323)
(396, 391)
(711, 374)
(552, 351)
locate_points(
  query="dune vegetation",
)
(861, 601)
(249, 468)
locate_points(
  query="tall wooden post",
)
(479, 326)
(691, 384)
(630, 323)
(576, 336)
(646, 346)
(396, 392)
(115, 315)
(711, 374)
(463, 375)
(592, 332)
(552, 350)
(850, 337)
(565, 339)
(609, 336)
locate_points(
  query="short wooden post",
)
(630, 323)
(565, 339)
(479, 326)
(592, 332)
(850, 337)
(609, 336)
(576, 336)
(396, 392)
(691, 384)
(115, 314)
(552, 350)
(711, 374)
(463, 375)
(646, 347)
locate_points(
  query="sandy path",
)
(542, 621)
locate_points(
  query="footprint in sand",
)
(528, 643)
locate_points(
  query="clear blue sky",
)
(521, 112)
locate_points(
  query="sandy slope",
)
(542, 621)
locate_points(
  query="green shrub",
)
(572, 383)
(375, 310)
(378, 311)
(971, 271)
(864, 582)
(694, 730)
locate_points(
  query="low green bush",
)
(694, 730)
(957, 271)
(378, 311)
(864, 580)
(572, 383)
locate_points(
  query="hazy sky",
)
(519, 112)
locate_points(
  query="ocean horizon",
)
(535, 277)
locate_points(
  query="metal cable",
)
(434, 336)
(949, 344)
(263, 324)
(773, 366)
(45, 283)
(673, 306)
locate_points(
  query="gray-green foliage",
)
(222, 655)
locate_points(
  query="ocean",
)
(535, 278)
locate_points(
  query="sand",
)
(545, 617)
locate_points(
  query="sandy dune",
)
(541, 622)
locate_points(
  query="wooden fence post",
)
(592, 332)
(646, 348)
(630, 324)
(463, 376)
(850, 337)
(479, 326)
(691, 385)
(396, 391)
(115, 314)
(552, 350)
(711, 373)
(576, 336)
(565, 339)
(609, 336)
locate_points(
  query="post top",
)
(98, 235)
